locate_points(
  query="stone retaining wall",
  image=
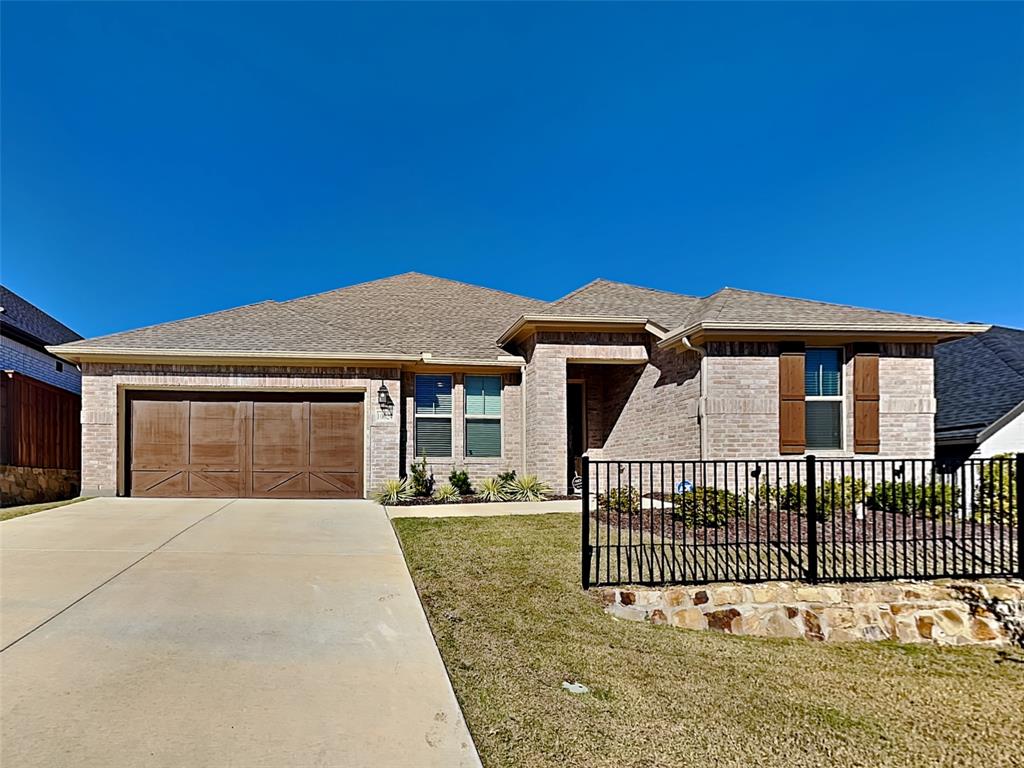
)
(944, 612)
(32, 485)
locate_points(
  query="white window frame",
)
(435, 416)
(466, 417)
(840, 398)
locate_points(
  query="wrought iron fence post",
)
(585, 527)
(1019, 466)
(812, 520)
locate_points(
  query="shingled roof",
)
(415, 317)
(400, 317)
(979, 384)
(29, 323)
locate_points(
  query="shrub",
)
(621, 500)
(506, 477)
(447, 494)
(459, 480)
(393, 492)
(494, 489)
(920, 498)
(421, 478)
(995, 494)
(842, 494)
(528, 488)
(710, 507)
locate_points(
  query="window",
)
(60, 367)
(483, 416)
(823, 390)
(433, 416)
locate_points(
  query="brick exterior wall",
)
(15, 356)
(103, 385)
(477, 468)
(742, 407)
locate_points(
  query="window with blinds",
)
(823, 390)
(433, 415)
(483, 416)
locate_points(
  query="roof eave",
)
(941, 330)
(534, 322)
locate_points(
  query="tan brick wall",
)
(477, 468)
(103, 386)
(742, 401)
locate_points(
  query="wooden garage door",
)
(223, 446)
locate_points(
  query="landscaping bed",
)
(420, 501)
(504, 601)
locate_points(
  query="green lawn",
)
(503, 598)
(8, 513)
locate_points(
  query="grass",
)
(9, 513)
(503, 599)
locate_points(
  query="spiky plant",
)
(446, 494)
(393, 492)
(528, 488)
(493, 489)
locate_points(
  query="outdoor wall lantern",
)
(383, 397)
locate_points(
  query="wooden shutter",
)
(865, 402)
(792, 435)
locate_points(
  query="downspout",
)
(701, 394)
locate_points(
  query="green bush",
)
(709, 507)
(459, 480)
(919, 498)
(421, 478)
(528, 488)
(842, 494)
(620, 500)
(447, 494)
(995, 495)
(393, 492)
(507, 477)
(494, 489)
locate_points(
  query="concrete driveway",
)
(154, 632)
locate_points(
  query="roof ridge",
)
(989, 342)
(831, 304)
(597, 280)
(413, 273)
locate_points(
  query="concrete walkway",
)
(496, 509)
(144, 632)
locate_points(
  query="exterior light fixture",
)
(383, 398)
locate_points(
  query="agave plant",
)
(446, 494)
(493, 489)
(393, 492)
(528, 488)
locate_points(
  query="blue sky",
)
(164, 160)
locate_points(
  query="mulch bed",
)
(423, 501)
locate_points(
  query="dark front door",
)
(575, 430)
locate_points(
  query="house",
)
(331, 394)
(979, 388)
(39, 406)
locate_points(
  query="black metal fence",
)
(689, 522)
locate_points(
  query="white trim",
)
(939, 327)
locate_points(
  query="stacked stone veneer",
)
(104, 385)
(33, 485)
(947, 612)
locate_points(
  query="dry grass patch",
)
(503, 598)
(9, 513)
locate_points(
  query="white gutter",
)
(701, 393)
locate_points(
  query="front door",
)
(575, 429)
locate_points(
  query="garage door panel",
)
(216, 434)
(336, 436)
(160, 434)
(159, 483)
(222, 447)
(280, 434)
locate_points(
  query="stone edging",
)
(947, 612)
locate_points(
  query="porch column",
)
(545, 417)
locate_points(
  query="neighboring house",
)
(979, 388)
(40, 406)
(25, 332)
(329, 395)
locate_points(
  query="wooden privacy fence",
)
(41, 424)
